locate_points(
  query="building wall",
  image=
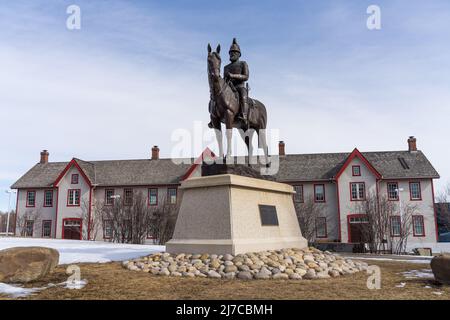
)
(328, 208)
(38, 213)
(424, 207)
(99, 196)
(348, 207)
(64, 211)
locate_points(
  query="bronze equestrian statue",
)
(231, 105)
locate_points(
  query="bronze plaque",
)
(268, 215)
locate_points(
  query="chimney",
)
(155, 153)
(281, 151)
(412, 144)
(44, 156)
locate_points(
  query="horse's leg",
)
(263, 143)
(218, 131)
(229, 117)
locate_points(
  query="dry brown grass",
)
(111, 281)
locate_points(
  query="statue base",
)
(228, 213)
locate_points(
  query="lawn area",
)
(111, 281)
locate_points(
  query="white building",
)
(63, 193)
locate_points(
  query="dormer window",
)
(74, 179)
(356, 171)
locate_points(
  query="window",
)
(74, 178)
(31, 198)
(29, 226)
(153, 196)
(356, 171)
(48, 198)
(357, 191)
(392, 190)
(396, 226)
(418, 226)
(46, 228)
(321, 227)
(414, 191)
(107, 229)
(172, 195)
(73, 198)
(109, 200)
(128, 197)
(319, 193)
(298, 196)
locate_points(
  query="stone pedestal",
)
(235, 214)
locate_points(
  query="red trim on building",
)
(302, 200)
(26, 199)
(73, 219)
(435, 211)
(420, 191)
(43, 222)
(353, 171)
(387, 190)
(168, 195)
(51, 190)
(125, 203)
(324, 197)
(339, 212)
(104, 227)
(355, 153)
(198, 161)
(89, 215)
(326, 229)
(399, 218)
(72, 162)
(349, 234)
(414, 227)
(106, 197)
(351, 195)
(148, 197)
(79, 198)
(74, 179)
(56, 214)
(17, 211)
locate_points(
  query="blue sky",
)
(137, 70)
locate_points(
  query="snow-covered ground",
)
(74, 251)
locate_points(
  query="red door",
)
(72, 229)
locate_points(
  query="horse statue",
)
(226, 110)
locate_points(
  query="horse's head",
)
(214, 62)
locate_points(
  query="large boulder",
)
(441, 268)
(26, 264)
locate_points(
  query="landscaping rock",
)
(441, 268)
(290, 263)
(26, 264)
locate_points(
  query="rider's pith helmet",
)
(235, 47)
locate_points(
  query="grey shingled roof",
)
(324, 166)
(294, 167)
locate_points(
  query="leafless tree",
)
(135, 222)
(34, 215)
(163, 219)
(376, 230)
(307, 213)
(4, 221)
(93, 220)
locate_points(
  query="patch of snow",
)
(77, 251)
(79, 284)
(423, 273)
(425, 261)
(437, 293)
(427, 287)
(16, 291)
(401, 285)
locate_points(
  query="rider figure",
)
(237, 73)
